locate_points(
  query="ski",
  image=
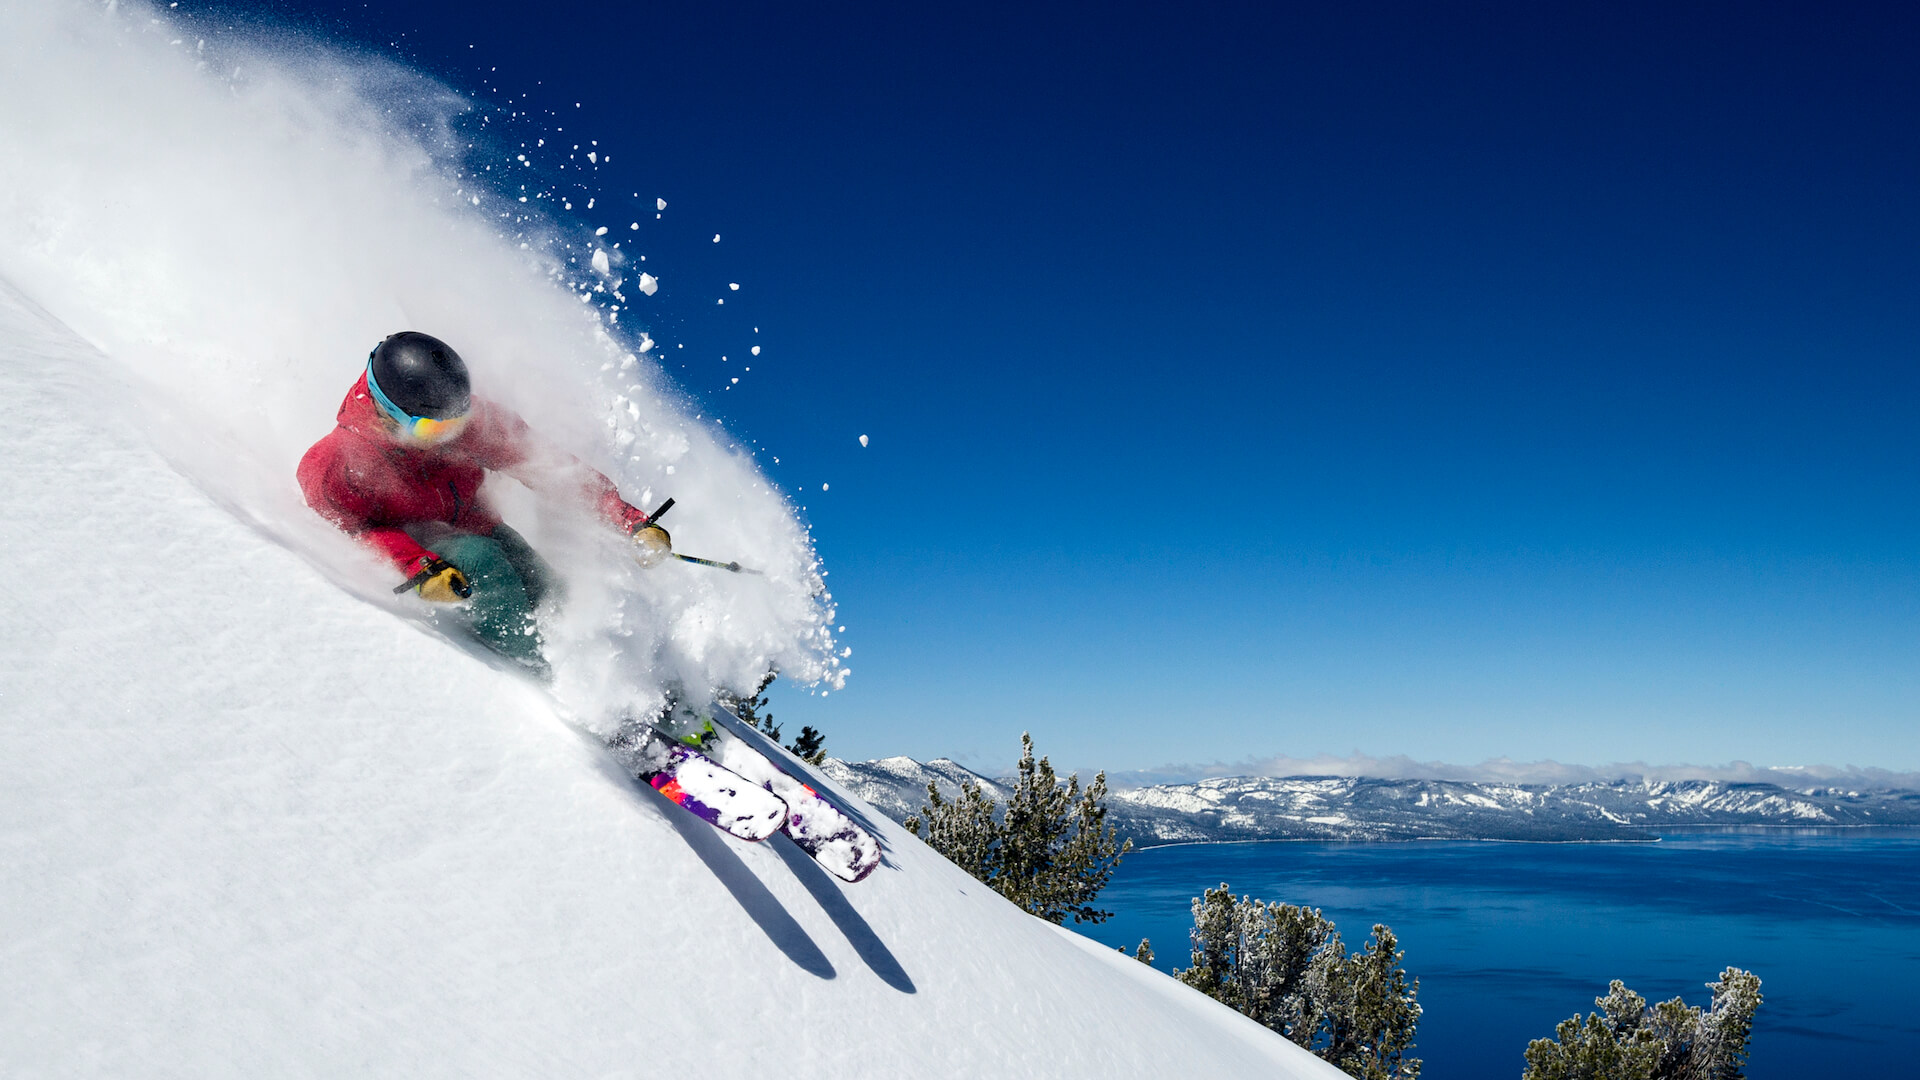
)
(818, 827)
(696, 783)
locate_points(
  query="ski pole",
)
(717, 565)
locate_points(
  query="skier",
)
(402, 472)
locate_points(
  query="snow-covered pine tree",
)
(1728, 1025)
(963, 830)
(1591, 1050)
(1627, 1040)
(1266, 960)
(1050, 850)
(1217, 941)
(1285, 967)
(1056, 850)
(1372, 1012)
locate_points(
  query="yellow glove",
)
(441, 582)
(651, 546)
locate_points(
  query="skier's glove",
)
(440, 581)
(651, 546)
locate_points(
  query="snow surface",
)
(256, 826)
(255, 818)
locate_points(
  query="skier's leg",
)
(536, 574)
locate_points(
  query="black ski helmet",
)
(421, 374)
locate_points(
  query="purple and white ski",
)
(693, 781)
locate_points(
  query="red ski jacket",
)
(371, 486)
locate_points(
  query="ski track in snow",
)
(256, 823)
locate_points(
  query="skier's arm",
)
(327, 483)
(502, 441)
(403, 551)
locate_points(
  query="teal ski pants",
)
(509, 580)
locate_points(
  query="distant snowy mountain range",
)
(1359, 808)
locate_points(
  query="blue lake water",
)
(1509, 939)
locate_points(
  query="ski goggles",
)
(422, 430)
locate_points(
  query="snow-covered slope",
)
(253, 820)
(255, 826)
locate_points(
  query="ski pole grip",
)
(664, 507)
(413, 582)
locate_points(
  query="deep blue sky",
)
(1448, 380)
